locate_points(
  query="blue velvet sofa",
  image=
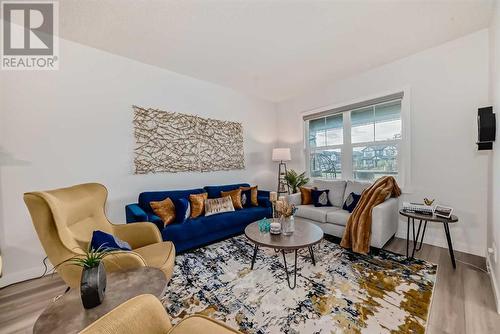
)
(200, 231)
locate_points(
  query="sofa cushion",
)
(205, 225)
(356, 187)
(215, 206)
(157, 254)
(320, 197)
(235, 197)
(164, 209)
(306, 195)
(351, 202)
(197, 204)
(338, 217)
(337, 189)
(105, 240)
(182, 210)
(214, 191)
(150, 196)
(314, 213)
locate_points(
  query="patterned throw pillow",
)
(235, 197)
(306, 195)
(351, 201)
(165, 210)
(253, 194)
(320, 197)
(246, 198)
(182, 210)
(197, 202)
(218, 205)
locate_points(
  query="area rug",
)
(344, 293)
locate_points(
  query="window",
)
(361, 141)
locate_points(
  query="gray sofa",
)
(333, 219)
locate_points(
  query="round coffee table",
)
(306, 235)
(67, 315)
(423, 218)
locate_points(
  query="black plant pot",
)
(93, 286)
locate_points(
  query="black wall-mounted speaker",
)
(486, 127)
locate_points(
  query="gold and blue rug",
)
(344, 293)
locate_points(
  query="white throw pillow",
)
(218, 205)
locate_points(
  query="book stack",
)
(417, 208)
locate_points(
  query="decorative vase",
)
(93, 286)
(288, 225)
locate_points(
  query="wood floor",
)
(462, 304)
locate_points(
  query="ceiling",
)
(270, 49)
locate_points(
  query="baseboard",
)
(494, 285)
(8, 279)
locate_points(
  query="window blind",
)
(358, 105)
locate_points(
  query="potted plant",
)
(93, 281)
(296, 180)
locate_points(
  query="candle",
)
(273, 196)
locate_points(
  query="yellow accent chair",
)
(146, 314)
(65, 219)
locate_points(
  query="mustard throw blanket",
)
(359, 226)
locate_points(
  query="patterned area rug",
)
(343, 293)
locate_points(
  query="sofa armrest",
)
(384, 222)
(123, 260)
(263, 193)
(138, 234)
(134, 213)
(295, 199)
(264, 201)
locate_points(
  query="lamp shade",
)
(281, 154)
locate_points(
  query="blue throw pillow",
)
(182, 210)
(351, 201)
(320, 197)
(108, 241)
(246, 198)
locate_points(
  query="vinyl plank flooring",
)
(462, 302)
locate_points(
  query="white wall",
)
(447, 84)
(493, 231)
(75, 125)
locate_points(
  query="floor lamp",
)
(280, 155)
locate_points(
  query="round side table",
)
(67, 315)
(423, 218)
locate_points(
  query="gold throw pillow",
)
(197, 202)
(253, 194)
(165, 210)
(218, 205)
(306, 195)
(235, 197)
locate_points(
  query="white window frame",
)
(403, 144)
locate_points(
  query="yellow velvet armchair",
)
(65, 218)
(145, 314)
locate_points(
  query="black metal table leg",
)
(450, 246)
(415, 239)
(294, 271)
(311, 252)
(407, 236)
(422, 238)
(254, 256)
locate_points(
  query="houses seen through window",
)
(362, 143)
